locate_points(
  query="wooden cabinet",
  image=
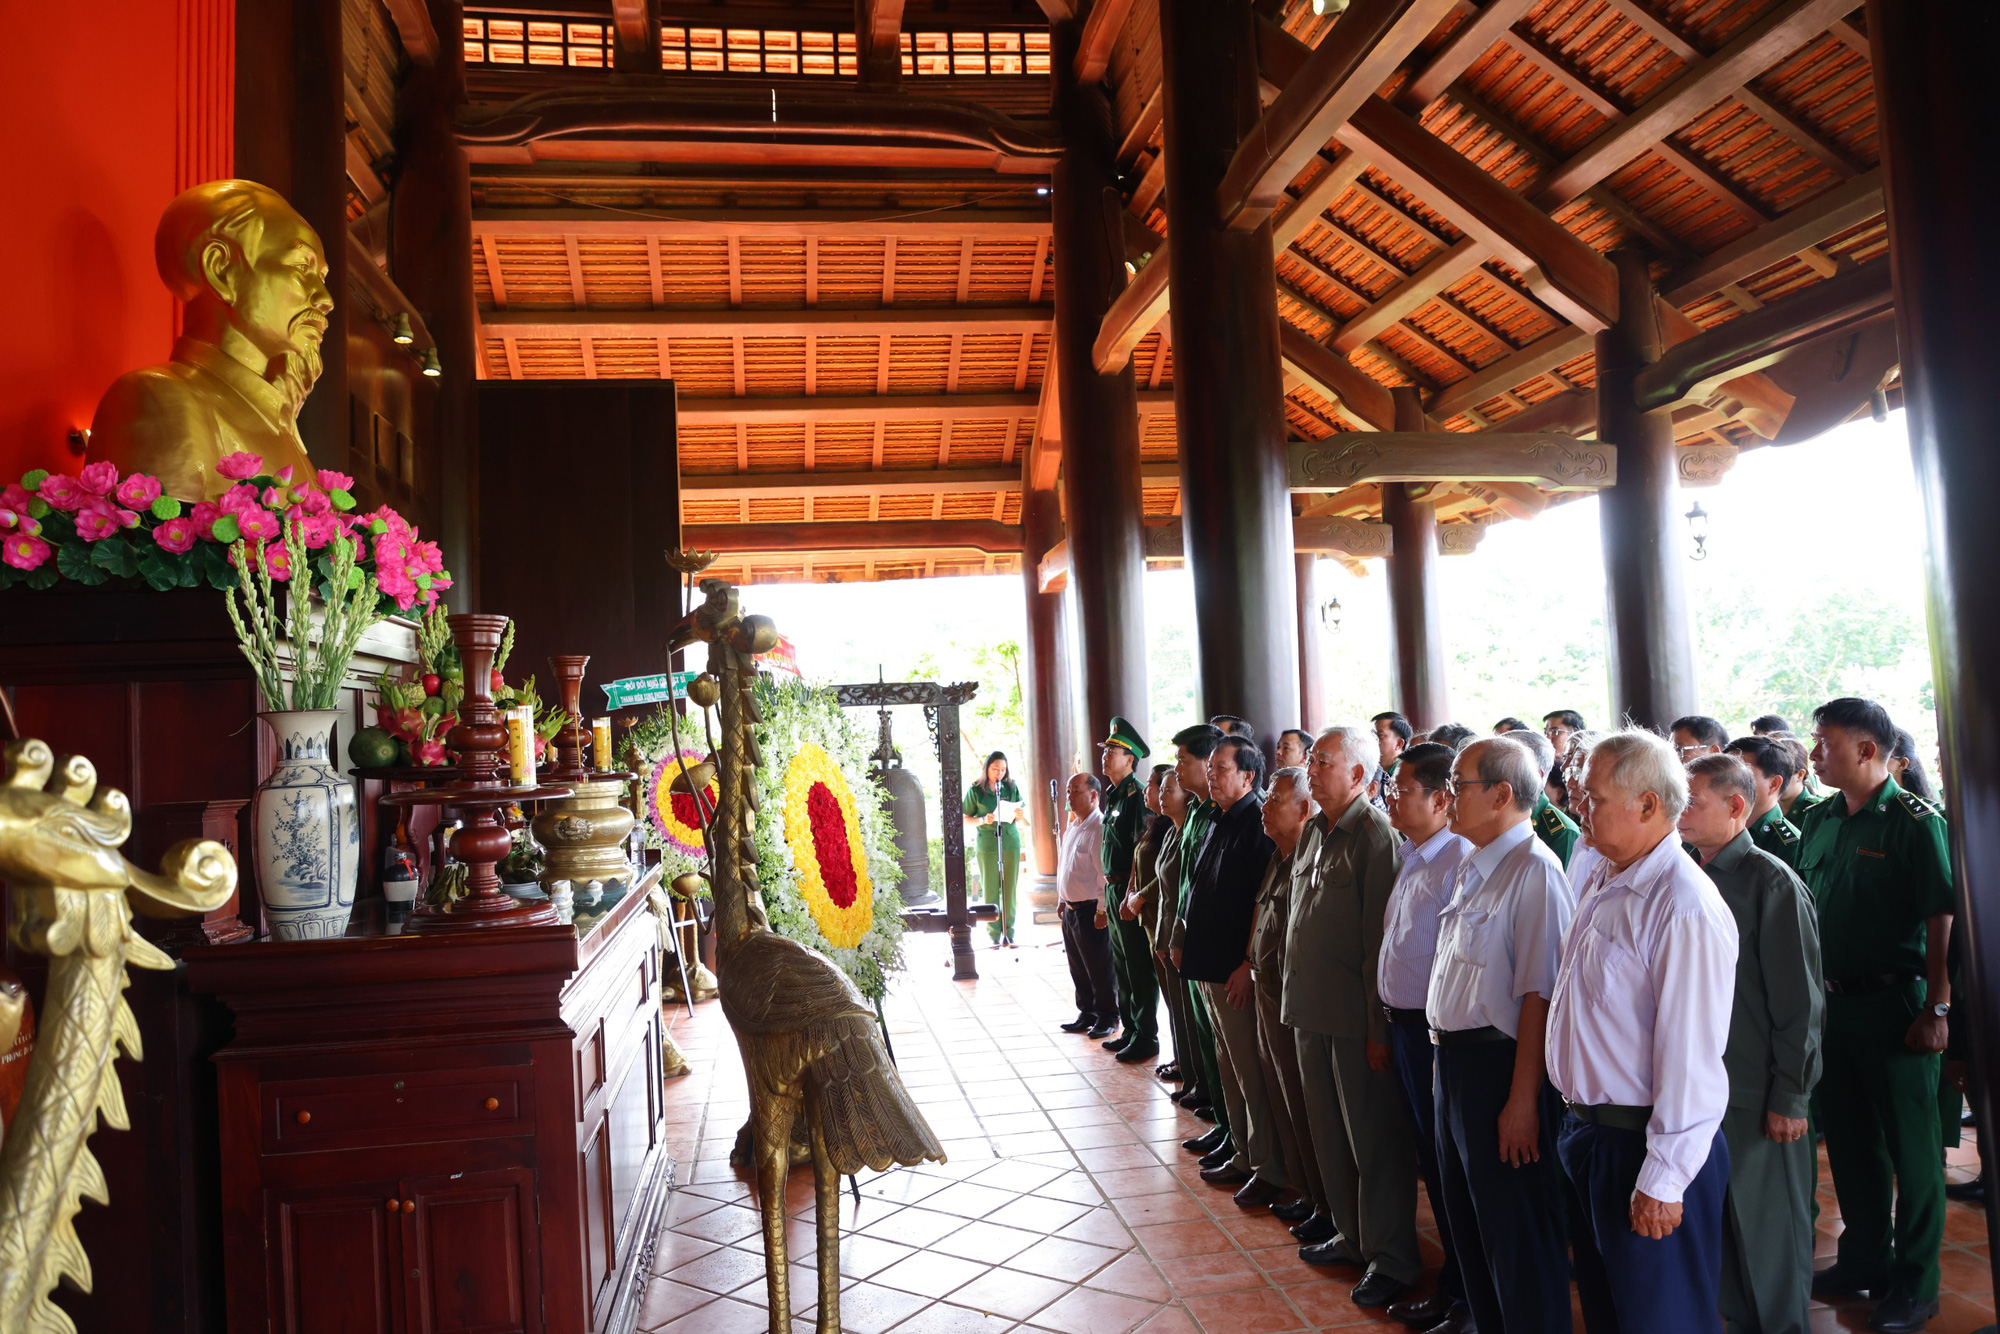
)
(441, 1134)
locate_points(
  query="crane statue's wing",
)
(772, 985)
(864, 1111)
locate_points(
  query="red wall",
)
(117, 105)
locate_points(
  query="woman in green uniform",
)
(993, 805)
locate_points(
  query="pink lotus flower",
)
(394, 584)
(284, 474)
(99, 478)
(309, 501)
(335, 481)
(277, 497)
(257, 524)
(16, 498)
(63, 492)
(175, 535)
(203, 517)
(240, 466)
(24, 552)
(138, 491)
(238, 498)
(97, 521)
(317, 530)
(277, 562)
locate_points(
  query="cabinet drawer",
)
(411, 1107)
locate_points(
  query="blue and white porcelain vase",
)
(308, 835)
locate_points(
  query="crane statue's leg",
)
(773, 1116)
(826, 1186)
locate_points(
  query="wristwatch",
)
(1941, 1008)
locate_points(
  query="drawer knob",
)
(392, 1206)
(409, 1206)
(492, 1104)
(304, 1117)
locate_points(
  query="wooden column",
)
(1100, 413)
(1416, 616)
(1312, 645)
(291, 134)
(1236, 513)
(1049, 723)
(1931, 66)
(430, 257)
(1650, 641)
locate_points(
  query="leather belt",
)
(1612, 1115)
(1396, 1016)
(1463, 1037)
(1868, 984)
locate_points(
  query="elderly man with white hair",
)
(1360, 1133)
(1636, 1033)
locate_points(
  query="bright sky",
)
(1838, 515)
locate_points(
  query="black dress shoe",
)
(1377, 1289)
(1968, 1192)
(1257, 1194)
(1103, 1030)
(1206, 1111)
(1900, 1313)
(1834, 1281)
(1224, 1174)
(1458, 1321)
(1083, 1023)
(1423, 1312)
(1315, 1230)
(1336, 1250)
(1136, 1052)
(1293, 1211)
(1171, 1072)
(1205, 1142)
(1220, 1154)
(1118, 1043)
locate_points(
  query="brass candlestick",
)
(582, 834)
(479, 795)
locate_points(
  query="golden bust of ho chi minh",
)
(253, 276)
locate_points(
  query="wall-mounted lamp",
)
(1329, 615)
(1329, 6)
(79, 440)
(431, 368)
(1042, 190)
(1697, 522)
(402, 336)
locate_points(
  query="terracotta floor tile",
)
(1329, 1304)
(667, 1300)
(1075, 1187)
(945, 1318)
(930, 1273)
(1127, 1182)
(1258, 1311)
(1018, 1175)
(1171, 1320)
(1134, 1276)
(1007, 1293)
(802, 1291)
(901, 1186)
(1116, 1157)
(1169, 1241)
(915, 1226)
(1100, 1227)
(1038, 1214)
(968, 1199)
(861, 1256)
(673, 1251)
(986, 1241)
(1217, 1271)
(1063, 1259)
(721, 1271)
(720, 1317)
(1085, 1311)
(1081, 1095)
(1099, 1136)
(1177, 1207)
(867, 1308)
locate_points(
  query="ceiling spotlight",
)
(431, 367)
(1041, 189)
(402, 336)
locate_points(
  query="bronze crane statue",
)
(809, 1040)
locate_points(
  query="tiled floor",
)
(1067, 1204)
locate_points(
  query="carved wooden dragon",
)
(809, 1040)
(67, 888)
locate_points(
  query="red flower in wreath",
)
(823, 831)
(675, 816)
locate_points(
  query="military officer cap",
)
(1126, 735)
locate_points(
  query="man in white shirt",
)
(1079, 883)
(1498, 942)
(1427, 865)
(1636, 1033)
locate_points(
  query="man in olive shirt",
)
(1287, 807)
(1552, 826)
(1770, 770)
(1875, 859)
(1131, 953)
(1773, 1055)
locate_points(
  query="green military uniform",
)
(999, 853)
(1554, 828)
(1773, 1060)
(1131, 953)
(1194, 833)
(1776, 835)
(1877, 875)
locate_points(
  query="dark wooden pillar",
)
(430, 257)
(1236, 513)
(1650, 645)
(1312, 645)
(1932, 64)
(291, 134)
(1049, 722)
(1100, 413)
(1416, 616)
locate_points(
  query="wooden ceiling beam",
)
(816, 484)
(1408, 296)
(1846, 205)
(757, 323)
(1141, 134)
(893, 535)
(1356, 59)
(1473, 39)
(1537, 358)
(634, 24)
(1326, 189)
(1809, 141)
(413, 26)
(1769, 39)
(763, 224)
(1363, 400)
(1134, 313)
(859, 408)
(1101, 27)
(1534, 457)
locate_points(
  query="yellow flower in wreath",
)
(823, 830)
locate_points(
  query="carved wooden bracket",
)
(1459, 539)
(1704, 464)
(1441, 456)
(1326, 535)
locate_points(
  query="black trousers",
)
(1088, 946)
(1509, 1225)
(1411, 1055)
